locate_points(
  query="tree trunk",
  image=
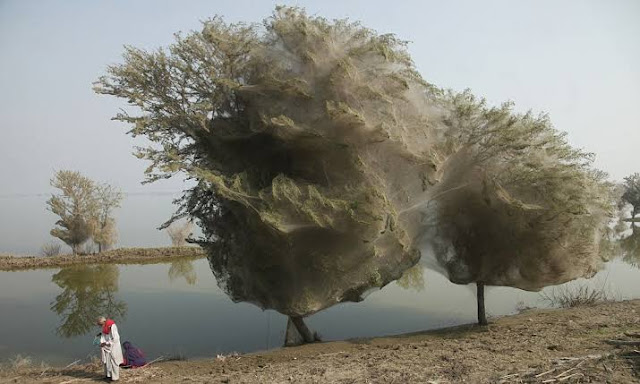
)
(633, 219)
(306, 334)
(482, 316)
(292, 336)
(99, 248)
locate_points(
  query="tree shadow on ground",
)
(633, 360)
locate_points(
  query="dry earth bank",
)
(537, 346)
(116, 256)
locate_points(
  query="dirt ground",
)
(536, 346)
(116, 256)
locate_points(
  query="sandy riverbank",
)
(537, 346)
(116, 256)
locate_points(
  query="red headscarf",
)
(106, 327)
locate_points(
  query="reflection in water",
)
(88, 292)
(412, 278)
(183, 268)
(630, 246)
(28, 298)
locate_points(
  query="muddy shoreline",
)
(536, 346)
(116, 256)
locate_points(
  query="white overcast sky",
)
(577, 60)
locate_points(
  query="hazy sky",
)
(577, 60)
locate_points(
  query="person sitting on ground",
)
(110, 348)
(133, 357)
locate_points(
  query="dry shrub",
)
(569, 296)
(179, 233)
(20, 362)
(51, 249)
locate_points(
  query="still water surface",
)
(177, 309)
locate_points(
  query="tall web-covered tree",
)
(285, 130)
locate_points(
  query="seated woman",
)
(133, 357)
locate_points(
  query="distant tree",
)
(412, 278)
(76, 206)
(107, 198)
(179, 233)
(631, 195)
(85, 209)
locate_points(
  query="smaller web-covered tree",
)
(515, 205)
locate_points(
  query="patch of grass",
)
(569, 296)
(18, 363)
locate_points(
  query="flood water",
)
(177, 309)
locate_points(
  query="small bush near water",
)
(20, 362)
(51, 249)
(569, 296)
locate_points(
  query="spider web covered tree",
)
(326, 166)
